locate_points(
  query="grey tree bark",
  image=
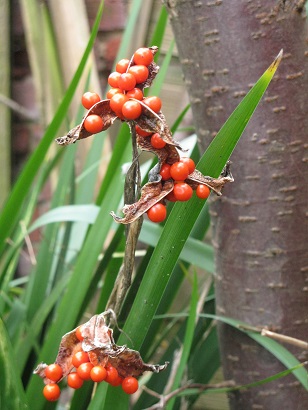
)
(260, 230)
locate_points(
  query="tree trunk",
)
(260, 224)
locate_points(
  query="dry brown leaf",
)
(102, 108)
(152, 123)
(155, 190)
(167, 154)
(215, 184)
(151, 193)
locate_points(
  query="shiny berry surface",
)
(93, 123)
(130, 385)
(51, 392)
(157, 213)
(143, 56)
(89, 99)
(54, 372)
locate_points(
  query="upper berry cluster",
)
(175, 178)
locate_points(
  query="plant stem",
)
(285, 339)
(164, 399)
(131, 193)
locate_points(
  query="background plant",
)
(76, 266)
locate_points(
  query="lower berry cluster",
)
(86, 368)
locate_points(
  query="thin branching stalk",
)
(163, 400)
(132, 189)
(302, 344)
(285, 339)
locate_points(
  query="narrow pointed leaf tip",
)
(273, 67)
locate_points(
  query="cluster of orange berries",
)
(128, 103)
(85, 370)
(182, 191)
(126, 98)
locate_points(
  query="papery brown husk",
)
(99, 343)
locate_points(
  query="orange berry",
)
(98, 373)
(93, 123)
(113, 79)
(112, 92)
(203, 191)
(165, 172)
(182, 191)
(190, 164)
(84, 371)
(130, 385)
(135, 93)
(126, 81)
(51, 392)
(179, 171)
(152, 102)
(54, 372)
(157, 142)
(143, 56)
(131, 110)
(112, 374)
(140, 72)
(89, 99)
(122, 65)
(79, 358)
(157, 213)
(78, 333)
(74, 381)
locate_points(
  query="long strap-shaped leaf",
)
(188, 339)
(182, 219)
(279, 351)
(183, 215)
(12, 395)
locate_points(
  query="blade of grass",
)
(178, 275)
(280, 352)
(194, 251)
(158, 40)
(174, 333)
(12, 395)
(189, 334)
(245, 386)
(159, 80)
(277, 350)
(41, 276)
(158, 35)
